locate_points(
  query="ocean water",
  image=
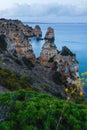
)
(74, 36)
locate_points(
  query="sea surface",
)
(72, 35)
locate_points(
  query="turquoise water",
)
(74, 36)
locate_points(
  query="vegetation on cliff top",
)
(12, 81)
(24, 110)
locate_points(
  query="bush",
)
(13, 81)
(37, 111)
(3, 44)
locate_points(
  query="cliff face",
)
(17, 37)
(7, 26)
(63, 62)
(48, 50)
(68, 67)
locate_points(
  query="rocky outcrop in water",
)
(66, 65)
(66, 51)
(48, 50)
(50, 34)
(37, 32)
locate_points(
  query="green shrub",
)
(37, 111)
(13, 81)
(3, 44)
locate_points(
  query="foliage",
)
(13, 81)
(35, 111)
(28, 63)
(3, 44)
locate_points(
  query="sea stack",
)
(48, 50)
(50, 34)
(37, 32)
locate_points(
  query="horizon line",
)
(55, 22)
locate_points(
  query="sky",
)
(53, 11)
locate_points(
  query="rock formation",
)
(50, 34)
(37, 32)
(67, 66)
(17, 37)
(15, 25)
(66, 51)
(48, 50)
(24, 49)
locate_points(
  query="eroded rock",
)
(48, 50)
(17, 37)
(37, 32)
(50, 34)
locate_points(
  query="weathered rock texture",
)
(48, 50)
(56, 70)
(67, 66)
(50, 34)
(64, 62)
(17, 37)
(37, 32)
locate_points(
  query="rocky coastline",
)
(51, 61)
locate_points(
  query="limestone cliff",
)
(17, 37)
(64, 62)
(51, 73)
(68, 67)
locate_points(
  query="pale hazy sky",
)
(44, 10)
